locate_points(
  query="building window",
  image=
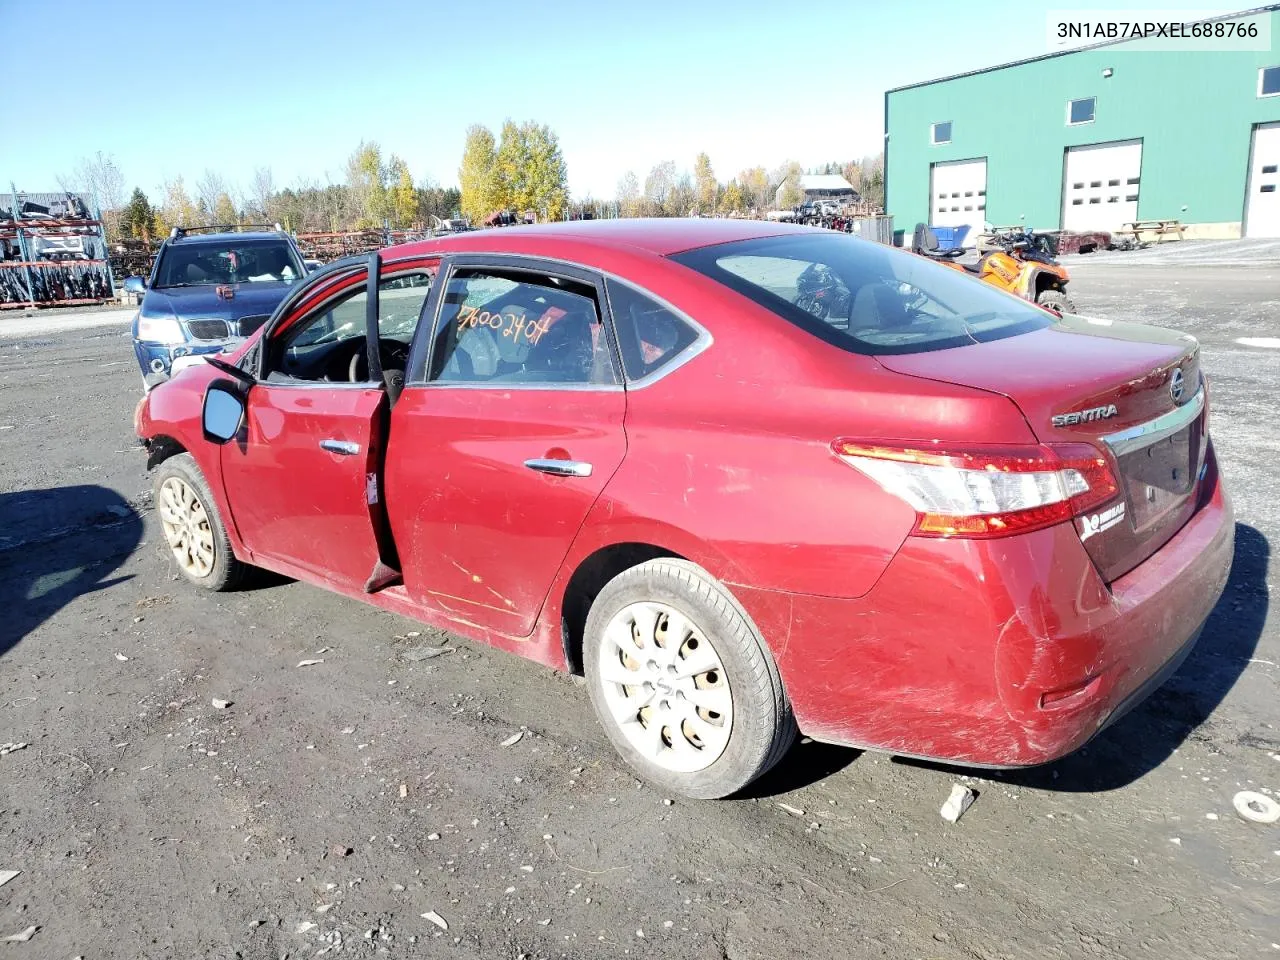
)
(1080, 111)
(1269, 82)
(941, 132)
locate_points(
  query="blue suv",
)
(210, 288)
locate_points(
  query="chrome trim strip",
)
(1145, 434)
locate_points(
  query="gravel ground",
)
(331, 806)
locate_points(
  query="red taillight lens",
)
(989, 491)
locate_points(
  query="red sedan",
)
(749, 478)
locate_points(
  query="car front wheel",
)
(192, 528)
(684, 685)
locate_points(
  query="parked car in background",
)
(930, 518)
(210, 287)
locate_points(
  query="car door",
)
(508, 431)
(303, 479)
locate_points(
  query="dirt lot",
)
(330, 806)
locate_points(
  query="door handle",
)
(344, 448)
(560, 468)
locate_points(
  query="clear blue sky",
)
(171, 88)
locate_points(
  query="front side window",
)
(1081, 111)
(510, 327)
(195, 263)
(330, 343)
(941, 132)
(1269, 82)
(864, 297)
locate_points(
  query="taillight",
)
(988, 491)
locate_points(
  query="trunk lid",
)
(1131, 390)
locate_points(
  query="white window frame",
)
(933, 131)
(1261, 73)
(1081, 123)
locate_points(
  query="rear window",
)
(865, 297)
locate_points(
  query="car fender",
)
(174, 410)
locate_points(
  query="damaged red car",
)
(748, 478)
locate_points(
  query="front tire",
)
(1057, 301)
(193, 531)
(683, 683)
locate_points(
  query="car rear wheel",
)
(192, 528)
(683, 683)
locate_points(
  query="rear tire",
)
(192, 528)
(707, 713)
(1057, 301)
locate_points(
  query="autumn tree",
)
(658, 186)
(531, 172)
(628, 196)
(731, 199)
(210, 188)
(367, 185)
(683, 198)
(477, 177)
(224, 210)
(755, 189)
(177, 210)
(705, 184)
(791, 192)
(403, 196)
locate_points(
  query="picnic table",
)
(1161, 229)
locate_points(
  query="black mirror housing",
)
(223, 413)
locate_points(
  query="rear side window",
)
(865, 297)
(516, 328)
(650, 336)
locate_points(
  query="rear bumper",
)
(1002, 653)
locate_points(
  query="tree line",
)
(375, 190)
(521, 171)
(668, 192)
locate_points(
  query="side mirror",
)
(223, 411)
(312, 265)
(135, 285)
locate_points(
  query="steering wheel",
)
(394, 357)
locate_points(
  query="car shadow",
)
(1147, 736)
(807, 762)
(57, 544)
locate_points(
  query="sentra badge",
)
(1085, 416)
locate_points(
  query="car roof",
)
(195, 238)
(657, 236)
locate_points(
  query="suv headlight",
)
(159, 329)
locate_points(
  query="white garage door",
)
(958, 195)
(1100, 185)
(1262, 210)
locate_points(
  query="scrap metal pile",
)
(52, 251)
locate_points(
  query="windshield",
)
(228, 261)
(865, 297)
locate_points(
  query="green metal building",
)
(1093, 138)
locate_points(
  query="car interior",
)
(526, 330)
(330, 346)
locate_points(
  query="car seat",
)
(564, 353)
(878, 306)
